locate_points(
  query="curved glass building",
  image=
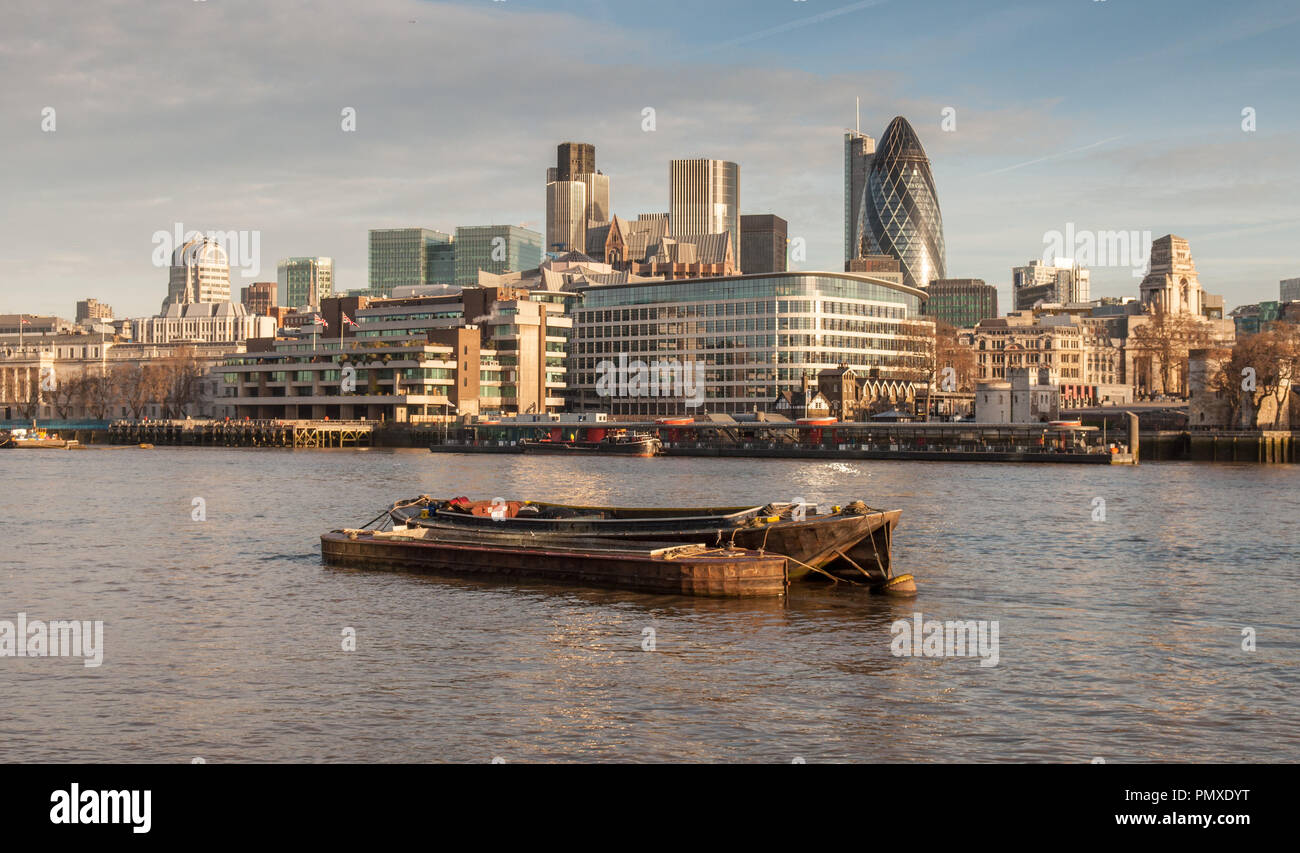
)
(750, 337)
(900, 208)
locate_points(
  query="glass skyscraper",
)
(304, 282)
(408, 256)
(902, 207)
(495, 249)
(859, 150)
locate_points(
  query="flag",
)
(321, 320)
(24, 321)
(348, 321)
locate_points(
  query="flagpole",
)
(341, 325)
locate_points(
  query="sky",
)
(1147, 116)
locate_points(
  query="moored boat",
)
(622, 445)
(36, 439)
(684, 569)
(851, 543)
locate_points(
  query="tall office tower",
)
(765, 241)
(859, 150)
(495, 249)
(260, 297)
(574, 159)
(1288, 290)
(304, 282)
(597, 196)
(566, 216)
(200, 272)
(902, 208)
(704, 198)
(1040, 283)
(403, 257)
(567, 220)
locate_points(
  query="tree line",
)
(172, 384)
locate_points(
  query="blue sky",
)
(224, 115)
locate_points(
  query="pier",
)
(262, 433)
(948, 442)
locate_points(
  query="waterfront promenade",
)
(949, 442)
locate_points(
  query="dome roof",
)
(900, 142)
(200, 250)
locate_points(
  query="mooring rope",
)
(823, 572)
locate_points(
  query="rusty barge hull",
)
(679, 571)
(855, 546)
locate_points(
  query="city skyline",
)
(1021, 159)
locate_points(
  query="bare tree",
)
(64, 395)
(182, 378)
(101, 394)
(132, 381)
(935, 350)
(1162, 345)
(1260, 372)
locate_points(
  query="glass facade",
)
(400, 257)
(495, 249)
(902, 207)
(961, 302)
(441, 259)
(748, 337)
(859, 150)
(304, 282)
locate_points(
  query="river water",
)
(1119, 638)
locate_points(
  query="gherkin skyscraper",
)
(901, 209)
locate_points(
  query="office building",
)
(566, 216)
(577, 197)
(200, 272)
(260, 297)
(304, 282)
(764, 237)
(494, 249)
(409, 256)
(961, 302)
(1039, 283)
(749, 338)
(1289, 290)
(574, 159)
(93, 309)
(859, 150)
(704, 198)
(878, 266)
(901, 207)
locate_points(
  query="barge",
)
(853, 544)
(37, 440)
(684, 569)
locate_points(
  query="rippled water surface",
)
(1119, 639)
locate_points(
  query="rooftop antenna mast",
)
(857, 111)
